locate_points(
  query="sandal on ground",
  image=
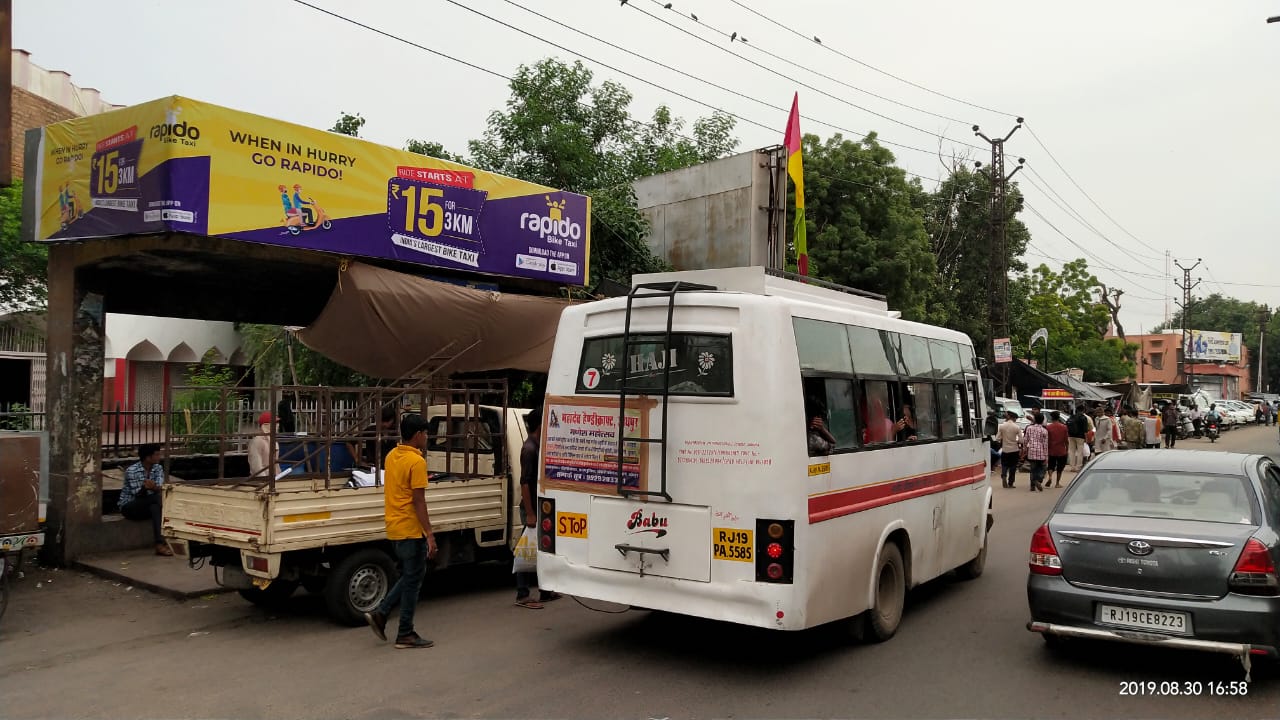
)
(530, 604)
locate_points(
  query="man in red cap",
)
(261, 454)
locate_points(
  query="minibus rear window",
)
(700, 365)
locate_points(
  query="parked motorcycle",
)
(1186, 428)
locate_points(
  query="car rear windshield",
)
(1174, 495)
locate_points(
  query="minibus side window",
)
(926, 411)
(950, 409)
(822, 346)
(876, 408)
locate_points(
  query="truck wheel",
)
(881, 621)
(357, 584)
(275, 594)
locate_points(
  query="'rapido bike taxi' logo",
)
(175, 130)
(554, 224)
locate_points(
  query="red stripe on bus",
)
(228, 529)
(853, 500)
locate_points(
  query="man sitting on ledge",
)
(140, 495)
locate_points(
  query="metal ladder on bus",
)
(643, 291)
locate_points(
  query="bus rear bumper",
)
(743, 602)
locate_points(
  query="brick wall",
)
(31, 111)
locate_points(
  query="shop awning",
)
(392, 325)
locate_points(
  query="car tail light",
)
(547, 526)
(1255, 572)
(775, 550)
(1044, 554)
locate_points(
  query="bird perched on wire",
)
(733, 37)
(743, 38)
(667, 6)
(624, 2)
(693, 17)
(817, 39)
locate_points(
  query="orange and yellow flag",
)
(795, 168)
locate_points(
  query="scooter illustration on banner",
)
(300, 214)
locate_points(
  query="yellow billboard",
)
(180, 165)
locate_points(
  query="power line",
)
(790, 79)
(869, 66)
(1082, 190)
(824, 76)
(1136, 258)
(678, 71)
(1101, 263)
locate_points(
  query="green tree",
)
(433, 149)
(268, 347)
(560, 129)
(1064, 303)
(957, 217)
(348, 124)
(23, 265)
(864, 227)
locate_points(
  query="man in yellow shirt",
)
(408, 529)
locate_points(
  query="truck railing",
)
(344, 420)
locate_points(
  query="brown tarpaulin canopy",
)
(388, 324)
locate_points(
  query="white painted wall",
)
(147, 338)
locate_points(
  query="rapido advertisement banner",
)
(179, 165)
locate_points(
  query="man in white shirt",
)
(1010, 438)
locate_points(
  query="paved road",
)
(81, 647)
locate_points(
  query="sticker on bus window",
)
(591, 379)
(733, 544)
(572, 525)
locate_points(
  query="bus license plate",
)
(1137, 618)
(733, 544)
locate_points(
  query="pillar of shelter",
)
(74, 362)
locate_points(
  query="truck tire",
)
(275, 595)
(357, 584)
(881, 621)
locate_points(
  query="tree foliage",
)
(431, 149)
(1064, 303)
(348, 124)
(863, 227)
(268, 348)
(957, 217)
(23, 265)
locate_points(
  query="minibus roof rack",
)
(759, 280)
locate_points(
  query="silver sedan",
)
(1172, 548)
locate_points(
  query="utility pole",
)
(1264, 316)
(1186, 286)
(998, 268)
(6, 107)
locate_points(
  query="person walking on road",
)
(1132, 430)
(1151, 429)
(1036, 449)
(528, 508)
(408, 529)
(1108, 433)
(1169, 424)
(1010, 438)
(1059, 443)
(1077, 429)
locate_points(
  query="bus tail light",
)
(547, 525)
(775, 550)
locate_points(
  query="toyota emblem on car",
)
(1139, 547)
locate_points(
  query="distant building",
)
(1159, 363)
(145, 356)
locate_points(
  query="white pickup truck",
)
(266, 542)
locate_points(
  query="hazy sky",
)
(1166, 112)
